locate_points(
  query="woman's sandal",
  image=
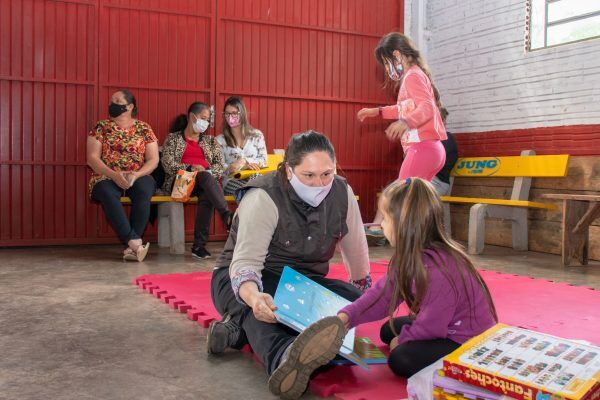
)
(139, 255)
(129, 255)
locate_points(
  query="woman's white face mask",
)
(200, 125)
(311, 195)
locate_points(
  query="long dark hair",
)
(417, 215)
(384, 52)
(180, 122)
(247, 129)
(130, 99)
(302, 144)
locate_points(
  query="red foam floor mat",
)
(556, 308)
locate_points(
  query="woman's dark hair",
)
(130, 99)
(384, 52)
(302, 144)
(181, 121)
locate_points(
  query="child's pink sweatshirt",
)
(416, 105)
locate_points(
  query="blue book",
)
(301, 301)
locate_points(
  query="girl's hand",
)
(253, 166)
(198, 168)
(344, 317)
(394, 343)
(396, 129)
(262, 306)
(367, 113)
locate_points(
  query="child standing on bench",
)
(448, 300)
(418, 124)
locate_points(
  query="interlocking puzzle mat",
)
(555, 308)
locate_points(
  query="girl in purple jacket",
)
(448, 300)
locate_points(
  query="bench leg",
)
(520, 237)
(575, 244)
(177, 228)
(447, 219)
(164, 225)
(477, 216)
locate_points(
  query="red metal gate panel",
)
(162, 52)
(298, 64)
(47, 86)
(309, 64)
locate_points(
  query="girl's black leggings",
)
(409, 358)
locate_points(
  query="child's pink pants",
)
(423, 160)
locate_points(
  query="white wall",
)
(476, 51)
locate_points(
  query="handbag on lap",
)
(183, 186)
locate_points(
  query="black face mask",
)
(114, 109)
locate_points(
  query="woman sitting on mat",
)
(295, 217)
(448, 300)
(189, 148)
(243, 145)
(123, 151)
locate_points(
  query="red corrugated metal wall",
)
(298, 64)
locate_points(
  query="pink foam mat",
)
(556, 308)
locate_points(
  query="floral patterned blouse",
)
(122, 149)
(254, 151)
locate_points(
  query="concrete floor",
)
(72, 326)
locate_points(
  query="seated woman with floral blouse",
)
(123, 151)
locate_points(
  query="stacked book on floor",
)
(509, 362)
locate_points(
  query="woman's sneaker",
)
(200, 253)
(222, 335)
(315, 346)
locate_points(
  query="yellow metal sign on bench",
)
(553, 166)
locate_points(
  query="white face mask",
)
(311, 195)
(200, 125)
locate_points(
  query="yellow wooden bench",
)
(167, 199)
(171, 221)
(523, 168)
